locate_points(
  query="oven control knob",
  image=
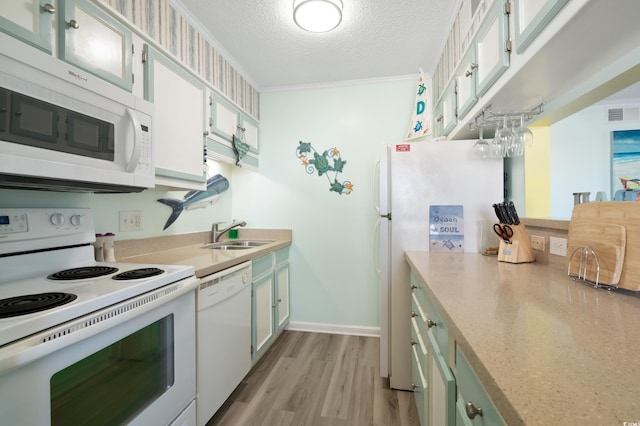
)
(56, 219)
(76, 220)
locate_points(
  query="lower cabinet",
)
(269, 299)
(446, 389)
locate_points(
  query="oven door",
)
(131, 363)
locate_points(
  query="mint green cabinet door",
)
(474, 407)
(449, 108)
(29, 20)
(418, 376)
(531, 17)
(441, 387)
(491, 47)
(281, 275)
(437, 120)
(262, 314)
(92, 40)
(466, 82)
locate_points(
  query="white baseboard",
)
(334, 328)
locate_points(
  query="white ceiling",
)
(376, 39)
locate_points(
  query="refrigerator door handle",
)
(376, 186)
(376, 243)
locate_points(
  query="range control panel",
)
(41, 228)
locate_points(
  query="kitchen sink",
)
(236, 244)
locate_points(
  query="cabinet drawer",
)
(470, 390)
(262, 264)
(417, 289)
(419, 316)
(439, 328)
(419, 345)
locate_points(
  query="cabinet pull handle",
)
(73, 24)
(413, 314)
(431, 323)
(413, 342)
(472, 67)
(49, 8)
(472, 410)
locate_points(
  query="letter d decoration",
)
(420, 125)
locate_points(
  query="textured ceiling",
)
(376, 39)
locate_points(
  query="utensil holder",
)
(518, 249)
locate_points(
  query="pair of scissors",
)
(503, 231)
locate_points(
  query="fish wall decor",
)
(216, 187)
(322, 164)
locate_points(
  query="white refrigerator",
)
(409, 178)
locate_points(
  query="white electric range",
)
(69, 323)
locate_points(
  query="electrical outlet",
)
(130, 221)
(537, 242)
(558, 246)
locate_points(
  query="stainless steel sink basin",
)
(236, 244)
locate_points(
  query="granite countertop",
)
(207, 261)
(548, 350)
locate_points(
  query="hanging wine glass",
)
(496, 148)
(503, 137)
(524, 134)
(481, 147)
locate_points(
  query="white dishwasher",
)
(223, 337)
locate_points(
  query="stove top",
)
(34, 269)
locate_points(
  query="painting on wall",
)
(625, 161)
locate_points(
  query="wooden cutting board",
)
(607, 241)
(622, 213)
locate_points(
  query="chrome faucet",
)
(215, 233)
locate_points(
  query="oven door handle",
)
(137, 141)
(32, 348)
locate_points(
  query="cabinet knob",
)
(439, 118)
(73, 24)
(413, 287)
(273, 306)
(414, 386)
(49, 8)
(413, 342)
(279, 300)
(431, 323)
(413, 314)
(206, 133)
(472, 410)
(472, 67)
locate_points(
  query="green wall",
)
(332, 275)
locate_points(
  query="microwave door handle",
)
(137, 141)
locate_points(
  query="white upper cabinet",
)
(92, 40)
(492, 47)
(531, 17)
(29, 20)
(179, 121)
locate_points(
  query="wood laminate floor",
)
(317, 379)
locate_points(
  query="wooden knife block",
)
(518, 250)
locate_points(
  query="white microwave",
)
(62, 128)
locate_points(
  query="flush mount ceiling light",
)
(317, 16)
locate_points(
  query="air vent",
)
(624, 114)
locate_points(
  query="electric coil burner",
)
(31, 303)
(138, 274)
(82, 273)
